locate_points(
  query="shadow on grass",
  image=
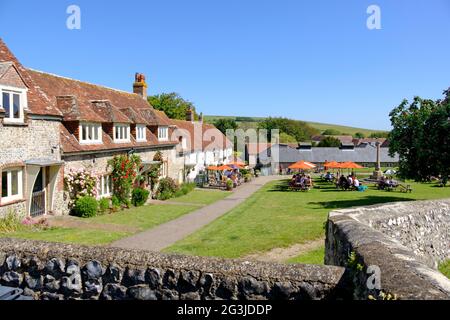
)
(367, 201)
(282, 186)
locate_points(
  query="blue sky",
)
(309, 60)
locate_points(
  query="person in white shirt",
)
(350, 181)
(356, 183)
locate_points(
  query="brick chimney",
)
(140, 86)
(190, 115)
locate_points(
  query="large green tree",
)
(421, 138)
(172, 104)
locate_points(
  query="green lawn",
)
(145, 217)
(203, 197)
(142, 218)
(445, 268)
(69, 235)
(315, 256)
(275, 218)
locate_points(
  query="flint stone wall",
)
(56, 271)
(405, 240)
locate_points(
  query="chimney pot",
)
(190, 115)
(140, 86)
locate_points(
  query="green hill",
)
(252, 122)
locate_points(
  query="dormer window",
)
(141, 131)
(90, 133)
(121, 133)
(163, 133)
(13, 101)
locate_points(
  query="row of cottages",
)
(50, 125)
(202, 145)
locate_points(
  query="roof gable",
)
(38, 102)
(10, 76)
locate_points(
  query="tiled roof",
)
(93, 102)
(202, 136)
(38, 102)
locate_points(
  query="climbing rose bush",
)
(124, 172)
(80, 183)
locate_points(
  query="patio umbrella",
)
(237, 163)
(302, 165)
(331, 165)
(223, 168)
(212, 168)
(351, 165)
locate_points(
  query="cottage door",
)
(38, 197)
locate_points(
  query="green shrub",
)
(139, 196)
(167, 189)
(244, 172)
(103, 205)
(115, 202)
(165, 195)
(10, 223)
(230, 185)
(86, 207)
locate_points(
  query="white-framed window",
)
(90, 133)
(164, 169)
(12, 184)
(141, 132)
(163, 133)
(13, 101)
(121, 133)
(104, 186)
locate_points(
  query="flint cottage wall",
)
(36, 139)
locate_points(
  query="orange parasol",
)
(302, 165)
(332, 165)
(237, 164)
(223, 168)
(213, 168)
(351, 165)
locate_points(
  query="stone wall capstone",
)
(51, 271)
(404, 241)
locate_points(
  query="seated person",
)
(309, 181)
(342, 181)
(356, 183)
(350, 180)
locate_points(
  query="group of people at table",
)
(221, 177)
(302, 181)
